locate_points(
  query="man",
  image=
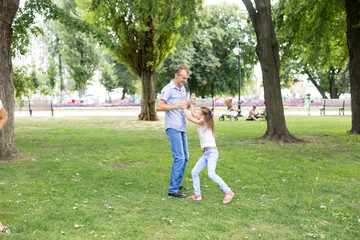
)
(173, 101)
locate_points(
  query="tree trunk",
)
(7, 137)
(123, 93)
(267, 50)
(313, 81)
(353, 40)
(81, 89)
(213, 87)
(333, 89)
(148, 112)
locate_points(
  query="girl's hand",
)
(193, 99)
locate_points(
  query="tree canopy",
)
(210, 57)
(312, 38)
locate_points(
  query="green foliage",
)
(144, 31)
(34, 79)
(23, 83)
(125, 79)
(51, 73)
(24, 23)
(210, 57)
(107, 79)
(118, 189)
(312, 37)
(80, 52)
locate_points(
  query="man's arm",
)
(163, 106)
(3, 118)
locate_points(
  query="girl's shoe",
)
(195, 197)
(228, 197)
(5, 230)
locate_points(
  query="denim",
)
(179, 149)
(209, 159)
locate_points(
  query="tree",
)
(322, 27)
(51, 74)
(115, 75)
(213, 66)
(267, 49)
(7, 136)
(80, 56)
(145, 32)
(80, 52)
(22, 26)
(312, 37)
(353, 40)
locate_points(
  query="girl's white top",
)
(206, 136)
(1, 105)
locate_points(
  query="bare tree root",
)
(283, 138)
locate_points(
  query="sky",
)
(212, 2)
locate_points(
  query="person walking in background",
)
(3, 120)
(62, 96)
(173, 101)
(206, 129)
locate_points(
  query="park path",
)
(135, 112)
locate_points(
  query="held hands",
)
(182, 104)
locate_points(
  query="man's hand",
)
(193, 99)
(182, 104)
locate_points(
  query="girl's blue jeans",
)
(209, 159)
(179, 149)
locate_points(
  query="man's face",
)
(181, 79)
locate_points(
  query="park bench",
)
(41, 106)
(208, 102)
(340, 104)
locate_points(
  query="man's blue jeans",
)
(179, 149)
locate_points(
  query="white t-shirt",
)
(1, 105)
(206, 137)
(253, 112)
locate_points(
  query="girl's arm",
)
(193, 111)
(3, 118)
(192, 119)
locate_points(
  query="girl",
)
(204, 118)
(3, 120)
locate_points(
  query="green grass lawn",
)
(107, 178)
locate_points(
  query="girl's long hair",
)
(209, 119)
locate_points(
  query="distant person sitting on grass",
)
(253, 114)
(3, 120)
(204, 118)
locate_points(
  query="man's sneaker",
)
(177, 194)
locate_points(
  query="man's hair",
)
(181, 68)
